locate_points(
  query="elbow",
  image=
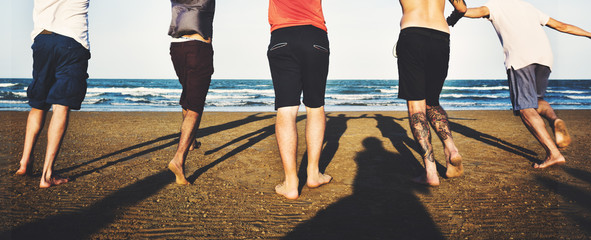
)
(462, 9)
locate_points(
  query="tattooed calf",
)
(420, 130)
(438, 119)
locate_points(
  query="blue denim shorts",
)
(60, 67)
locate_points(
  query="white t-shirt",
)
(519, 27)
(65, 17)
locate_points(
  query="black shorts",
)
(193, 63)
(423, 60)
(298, 58)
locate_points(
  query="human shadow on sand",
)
(253, 138)
(494, 141)
(383, 204)
(335, 128)
(201, 133)
(572, 193)
(403, 143)
(81, 224)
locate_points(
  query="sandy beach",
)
(121, 188)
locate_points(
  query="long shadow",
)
(201, 133)
(253, 138)
(581, 197)
(81, 224)
(494, 141)
(383, 204)
(401, 142)
(335, 128)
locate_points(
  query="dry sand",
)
(122, 190)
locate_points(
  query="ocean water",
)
(258, 95)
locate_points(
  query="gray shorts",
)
(527, 84)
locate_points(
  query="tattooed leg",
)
(439, 121)
(419, 126)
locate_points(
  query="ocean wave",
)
(578, 97)
(461, 96)
(13, 102)
(270, 92)
(393, 91)
(94, 101)
(357, 96)
(138, 91)
(478, 88)
(211, 97)
(6, 85)
(12, 95)
(567, 91)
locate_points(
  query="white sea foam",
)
(477, 88)
(211, 97)
(357, 96)
(139, 91)
(8, 84)
(13, 102)
(567, 92)
(470, 96)
(389, 91)
(578, 97)
(247, 91)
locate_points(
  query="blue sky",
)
(129, 40)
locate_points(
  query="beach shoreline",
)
(122, 190)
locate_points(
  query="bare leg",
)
(315, 126)
(287, 141)
(439, 121)
(35, 123)
(55, 134)
(177, 164)
(535, 124)
(195, 144)
(558, 126)
(420, 129)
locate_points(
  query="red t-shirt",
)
(289, 13)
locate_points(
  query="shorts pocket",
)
(277, 46)
(320, 48)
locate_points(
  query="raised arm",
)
(458, 12)
(477, 12)
(567, 28)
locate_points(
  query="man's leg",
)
(439, 121)
(177, 164)
(421, 132)
(315, 126)
(55, 134)
(35, 123)
(287, 141)
(194, 144)
(535, 124)
(558, 126)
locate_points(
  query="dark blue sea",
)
(257, 95)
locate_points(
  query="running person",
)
(423, 57)
(191, 52)
(528, 60)
(298, 58)
(60, 64)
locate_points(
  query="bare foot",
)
(23, 170)
(318, 180)
(196, 144)
(178, 172)
(454, 166)
(561, 134)
(425, 179)
(550, 162)
(289, 192)
(54, 181)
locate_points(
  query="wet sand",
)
(121, 188)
